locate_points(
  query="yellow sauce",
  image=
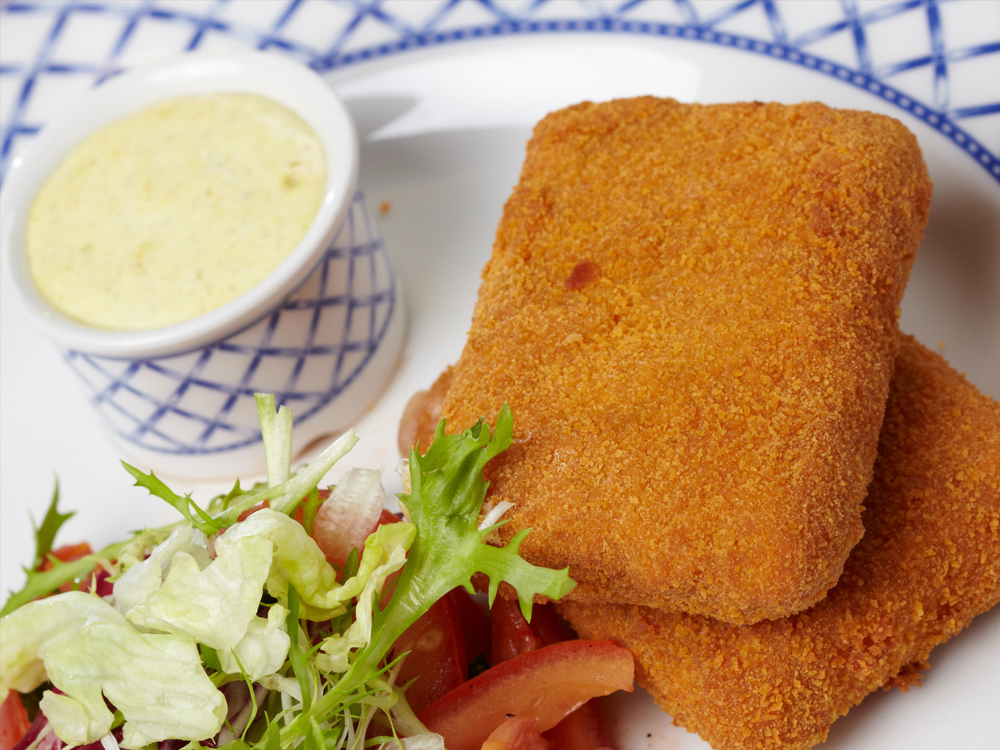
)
(174, 211)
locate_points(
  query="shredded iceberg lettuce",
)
(146, 576)
(214, 606)
(86, 649)
(262, 650)
(298, 561)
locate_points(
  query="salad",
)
(286, 616)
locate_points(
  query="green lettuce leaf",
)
(45, 582)
(385, 553)
(262, 650)
(45, 534)
(276, 432)
(87, 649)
(215, 605)
(297, 560)
(447, 493)
(187, 507)
(144, 576)
(445, 500)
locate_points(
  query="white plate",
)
(444, 96)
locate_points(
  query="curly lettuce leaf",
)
(445, 500)
(39, 583)
(447, 490)
(45, 533)
(187, 507)
(446, 497)
(42, 583)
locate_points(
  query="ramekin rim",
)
(268, 74)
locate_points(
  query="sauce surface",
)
(174, 211)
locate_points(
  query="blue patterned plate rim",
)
(591, 18)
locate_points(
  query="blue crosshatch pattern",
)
(511, 17)
(111, 380)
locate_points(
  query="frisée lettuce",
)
(223, 596)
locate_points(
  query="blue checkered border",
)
(936, 115)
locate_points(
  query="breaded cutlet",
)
(692, 313)
(929, 562)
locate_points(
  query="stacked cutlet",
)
(692, 311)
(928, 563)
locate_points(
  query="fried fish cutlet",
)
(692, 312)
(929, 562)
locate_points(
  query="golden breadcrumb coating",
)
(692, 312)
(929, 562)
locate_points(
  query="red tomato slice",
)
(437, 657)
(547, 625)
(66, 553)
(581, 730)
(14, 722)
(250, 511)
(516, 733)
(543, 685)
(387, 516)
(584, 728)
(511, 633)
(475, 625)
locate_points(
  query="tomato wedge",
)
(386, 516)
(475, 625)
(581, 730)
(299, 513)
(516, 733)
(543, 685)
(512, 635)
(547, 625)
(14, 722)
(437, 657)
(66, 553)
(584, 728)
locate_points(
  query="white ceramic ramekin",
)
(322, 332)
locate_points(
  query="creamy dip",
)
(174, 211)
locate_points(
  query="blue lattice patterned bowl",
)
(322, 332)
